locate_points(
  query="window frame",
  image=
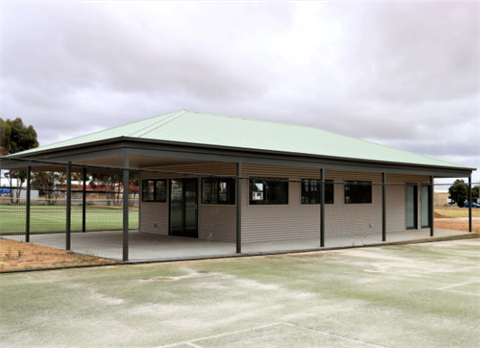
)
(265, 182)
(357, 184)
(146, 192)
(319, 201)
(230, 191)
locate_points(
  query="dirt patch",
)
(16, 256)
(457, 224)
(438, 216)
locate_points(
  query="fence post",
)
(322, 208)
(84, 203)
(126, 186)
(470, 203)
(384, 207)
(27, 223)
(68, 202)
(239, 208)
(432, 206)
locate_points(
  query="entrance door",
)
(183, 207)
(412, 206)
(426, 206)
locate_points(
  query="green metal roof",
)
(192, 127)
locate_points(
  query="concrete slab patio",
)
(154, 247)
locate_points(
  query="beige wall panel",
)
(264, 223)
(153, 216)
(397, 200)
(353, 219)
(216, 222)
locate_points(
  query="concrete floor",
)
(152, 247)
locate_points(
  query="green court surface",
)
(45, 218)
(418, 295)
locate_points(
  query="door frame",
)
(415, 206)
(183, 180)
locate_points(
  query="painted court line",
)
(191, 342)
(448, 288)
(453, 286)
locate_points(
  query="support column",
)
(384, 207)
(432, 207)
(68, 203)
(239, 208)
(84, 203)
(126, 188)
(470, 203)
(322, 208)
(27, 222)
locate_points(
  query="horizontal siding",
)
(153, 216)
(353, 219)
(396, 204)
(265, 223)
(216, 222)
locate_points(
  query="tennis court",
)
(50, 218)
(418, 295)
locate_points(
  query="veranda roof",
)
(201, 128)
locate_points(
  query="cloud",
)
(402, 74)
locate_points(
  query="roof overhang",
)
(108, 155)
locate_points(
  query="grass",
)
(455, 212)
(53, 218)
(421, 295)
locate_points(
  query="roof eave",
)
(208, 146)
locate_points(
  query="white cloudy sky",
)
(401, 74)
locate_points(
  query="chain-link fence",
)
(177, 214)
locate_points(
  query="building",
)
(241, 180)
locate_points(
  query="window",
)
(268, 191)
(358, 192)
(154, 190)
(218, 191)
(311, 189)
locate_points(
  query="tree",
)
(47, 183)
(475, 192)
(111, 183)
(16, 137)
(459, 192)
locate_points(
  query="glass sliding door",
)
(426, 206)
(412, 218)
(183, 207)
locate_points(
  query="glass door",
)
(411, 206)
(183, 207)
(426, 206)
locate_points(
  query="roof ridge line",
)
(161, 123)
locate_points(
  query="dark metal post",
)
(470, 203)
(384, 207)
(84, 203)
(432, 207)
(68, 202)
(126, 187)
(322, 208)
(239, 208)
(27, 223)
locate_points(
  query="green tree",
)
(16, 137)
(459, 192)
(475, 192)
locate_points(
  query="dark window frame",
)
(156, 197)
(329, 192)
(228, 194)
(357, 190)
(271, 187)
